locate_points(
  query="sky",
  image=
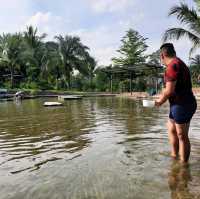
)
(100, 24)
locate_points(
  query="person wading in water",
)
(178, 90)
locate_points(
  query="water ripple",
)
(94, 148)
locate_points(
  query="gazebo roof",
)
(137, 69)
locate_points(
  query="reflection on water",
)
(31, 131)
(179, 178)
(92, 148)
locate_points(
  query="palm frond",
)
(195, 60)
(187, 16)
(177, 33)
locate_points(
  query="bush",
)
(29, 85)
(44, 85)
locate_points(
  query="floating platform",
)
(69, 97)
(52, 104)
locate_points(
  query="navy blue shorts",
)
(182, 114)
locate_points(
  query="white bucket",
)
(148, 103)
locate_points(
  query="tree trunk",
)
(68, 76)
(56, 83)
(111, 83)
(91, 82)
(69, 81)
(11, 77)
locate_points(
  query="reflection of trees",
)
(131, 113)
(31, 129)
(139, 118)
(178, 180)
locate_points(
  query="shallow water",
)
(103, 148)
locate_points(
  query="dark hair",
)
(168, 49)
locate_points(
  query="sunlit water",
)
(105, 148)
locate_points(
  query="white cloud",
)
(104, 55)
(39, 19)
(46, 23)
(103, 42)
(101, 6)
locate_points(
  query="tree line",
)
(31, 62)
(28, 61)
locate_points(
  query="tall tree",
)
(91, 63)
(189, 18)
(73, 54)
(51, 63)
(35, 52)
(154, 58)
(132, 49)
(44, 63)
(11, 53)
(101, 79)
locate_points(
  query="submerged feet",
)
(177, 158)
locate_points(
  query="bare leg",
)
(173, 138)
(184, 142)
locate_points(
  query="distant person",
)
(178, 90)
(19, 95)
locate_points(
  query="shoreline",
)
(32, 94)
(10, 96)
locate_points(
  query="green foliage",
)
(195, 69)
(124, 85)
(197, 3)
(132, 49)
(11, 53)
(154, 58)
(31, 85)
(74, 55)
(141, 85)
(101, 80)
(29, 62)
(132, 53)
(189, 19)
(190, 25)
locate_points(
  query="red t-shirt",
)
(179, 72)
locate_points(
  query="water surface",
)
(104, 148)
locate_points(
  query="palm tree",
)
(195, 68)
(91, 68)
(11, 53)
(189, 18)
(52, 63)
(73, 54)
(31, 37)
(35, 49)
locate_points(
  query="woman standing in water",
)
(178, 90)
